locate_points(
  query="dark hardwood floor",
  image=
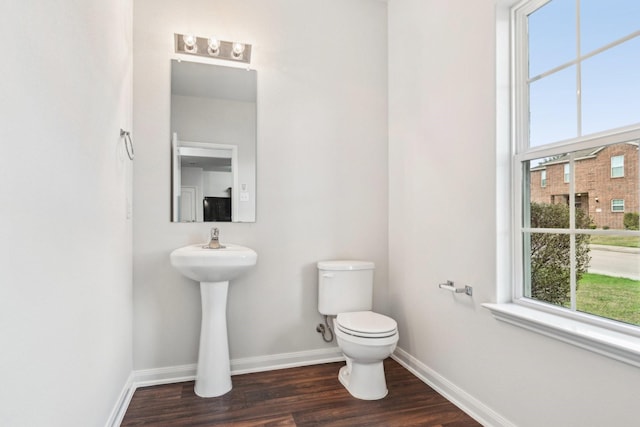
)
(306, 396)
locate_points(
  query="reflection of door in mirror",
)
(187, 204)
(213, 124)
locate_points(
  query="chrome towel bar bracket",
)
(450, 287)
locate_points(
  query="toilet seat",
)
(366, 324)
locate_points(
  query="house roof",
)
(588, 153)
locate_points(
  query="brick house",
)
(606, 182)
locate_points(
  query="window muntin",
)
(617, 205)
(553, 121)
(617, 166)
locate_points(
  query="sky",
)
(610, 81)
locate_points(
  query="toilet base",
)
(364, 380)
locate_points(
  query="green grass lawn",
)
(612, 297)
(626, 241)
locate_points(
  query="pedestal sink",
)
(213, 268)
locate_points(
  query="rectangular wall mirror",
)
(213, 143)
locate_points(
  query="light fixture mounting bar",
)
(201, 48)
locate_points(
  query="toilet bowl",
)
(366, 339)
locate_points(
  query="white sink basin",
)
(213, 268)
(213, 265)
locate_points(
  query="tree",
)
(550, 253)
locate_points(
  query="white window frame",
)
(614, 204)
(543, 178)
(617, 166)
(610, 338)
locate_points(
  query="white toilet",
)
(345, 290)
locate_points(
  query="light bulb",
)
(214, 46)
(190, 43)
(237, 49)
(189, 40)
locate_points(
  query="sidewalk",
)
(615, 249)
(615, 261)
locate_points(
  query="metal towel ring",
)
(128, 143)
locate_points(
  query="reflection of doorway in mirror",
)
(187, 204)
(211, 170)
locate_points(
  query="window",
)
(543, 178)
(617, 166)
(617, 205)
(577, 94)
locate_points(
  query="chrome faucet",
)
(214, 243)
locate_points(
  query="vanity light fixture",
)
(212, 47)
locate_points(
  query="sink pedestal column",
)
(213, 377)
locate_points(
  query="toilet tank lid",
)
(343, 265)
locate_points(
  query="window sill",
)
(616, 345)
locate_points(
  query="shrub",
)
(550, 253)
(631, 221)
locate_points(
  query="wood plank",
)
(304, 396)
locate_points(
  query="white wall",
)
(65, 241)
(322, 169)
(221, 121)
(216, 184)
(442, 180)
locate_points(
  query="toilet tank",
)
(345, 286)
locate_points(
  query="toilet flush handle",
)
(327, 275)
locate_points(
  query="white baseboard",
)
(246, 365)
(285, 360)
(463, 400)
(166, 375)
(182, 373)
(122, 403)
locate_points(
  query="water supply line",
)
(323, 329)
